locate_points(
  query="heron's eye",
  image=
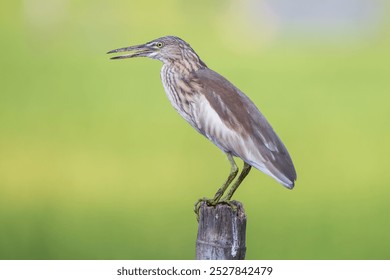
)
(159, 45)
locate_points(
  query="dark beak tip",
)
(113, 51)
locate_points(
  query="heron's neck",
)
(190, 62)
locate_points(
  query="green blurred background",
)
(96, 164)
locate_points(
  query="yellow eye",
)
(159, 45)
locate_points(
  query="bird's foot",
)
(230, 203)
(213, 203)
(199, 203)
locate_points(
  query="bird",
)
(218, 110)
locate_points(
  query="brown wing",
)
(238, 127)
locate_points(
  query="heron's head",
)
(167, 49)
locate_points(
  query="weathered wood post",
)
(221, 232)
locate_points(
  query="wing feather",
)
(230, 119)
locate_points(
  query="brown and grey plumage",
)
(219, 111)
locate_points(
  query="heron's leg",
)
(221, 190)
(244, 172)
(229, 180)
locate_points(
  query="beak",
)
(134, 51)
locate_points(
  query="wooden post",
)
(221, 232)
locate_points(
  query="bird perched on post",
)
(219, 111)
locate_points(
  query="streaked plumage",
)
(218, 110)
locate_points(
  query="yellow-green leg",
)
(214, 201)
(244, 173)
(229, 180)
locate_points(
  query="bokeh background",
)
(96, 164)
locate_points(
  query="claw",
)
(198, 204)
(212, 202)
(230, 203)
(197, 207)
